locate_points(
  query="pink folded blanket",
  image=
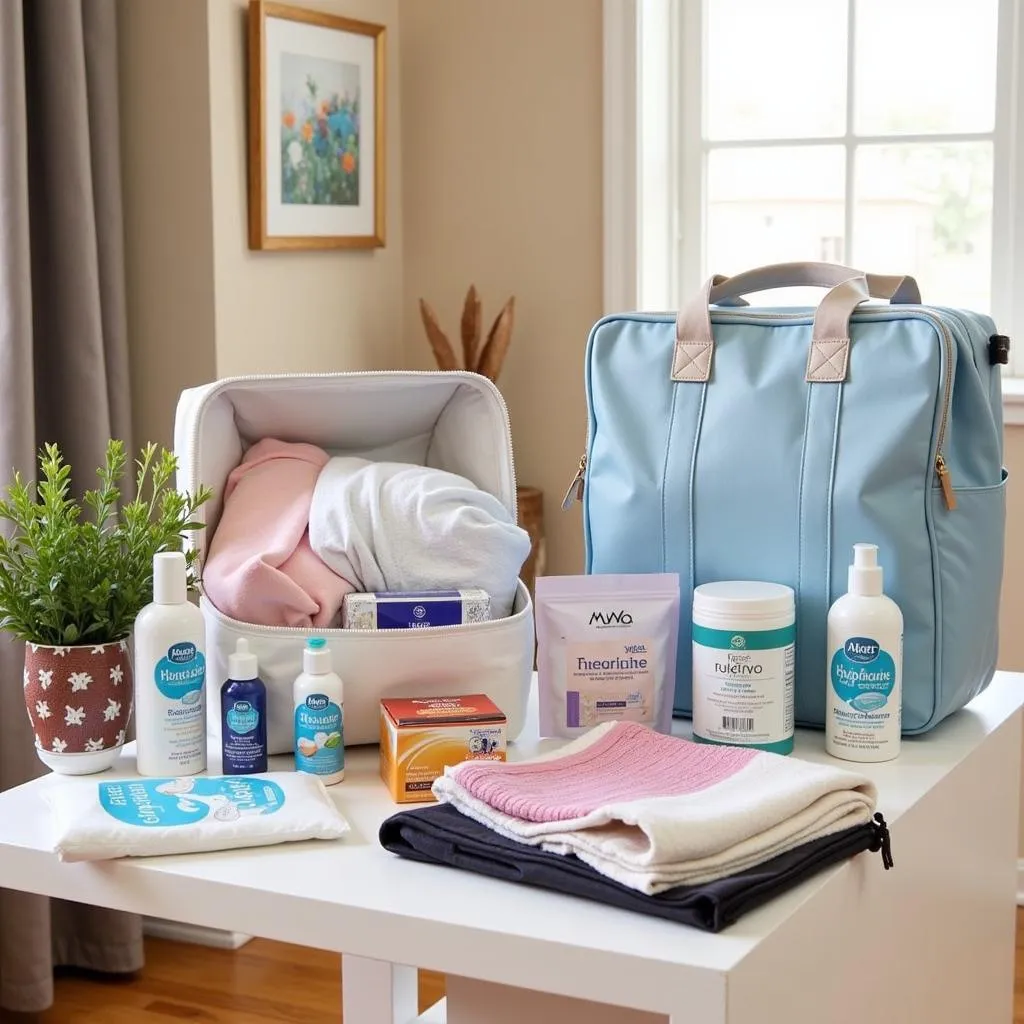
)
(260, 567)
(655, 811)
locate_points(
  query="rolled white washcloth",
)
(397, 526)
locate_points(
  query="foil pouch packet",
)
(606, 650)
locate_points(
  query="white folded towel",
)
(396, 526)
(654, 811)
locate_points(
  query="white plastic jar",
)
(744, 646)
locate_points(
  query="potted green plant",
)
(73, 576)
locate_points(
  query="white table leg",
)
(376, 992)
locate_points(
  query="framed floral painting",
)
(316, 130)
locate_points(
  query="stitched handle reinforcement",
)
(830, 338)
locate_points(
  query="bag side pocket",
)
(970, 544)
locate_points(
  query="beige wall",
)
(298, 311)
(165, 140)
(501, 121)
(201, 305)
(501, 154)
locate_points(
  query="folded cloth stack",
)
(693, 832)
(299, 530)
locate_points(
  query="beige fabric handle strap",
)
(830, 338)
(821, 275)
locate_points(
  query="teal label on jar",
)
(159, 803)
(319, 744)
(180, 673)
(743, 686)
(744, 640)
(242, 717)
(863, 675)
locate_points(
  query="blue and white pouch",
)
(138, 817)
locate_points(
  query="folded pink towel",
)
(629, 762)
(260, 567)
(654, 811)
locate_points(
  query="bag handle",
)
(895, 288)
(830, 337)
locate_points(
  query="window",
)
(880, 134)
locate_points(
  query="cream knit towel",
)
(654, 811)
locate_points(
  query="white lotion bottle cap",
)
(316, 657)
(242, 662)
(865, 574)
(169, 582)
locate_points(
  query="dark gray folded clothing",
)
(442, 835)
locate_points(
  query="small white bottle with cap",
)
(170, 674)
(319, 700)
(865, 666)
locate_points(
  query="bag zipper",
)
(941, 468)
(948, 494)
(256, 378)
(575, 491)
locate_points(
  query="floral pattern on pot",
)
(78, 699)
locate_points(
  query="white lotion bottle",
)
(319, 700)
(170, 673)
(863, 712)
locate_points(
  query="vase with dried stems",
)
(487, 359)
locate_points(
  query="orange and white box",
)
(421, 736)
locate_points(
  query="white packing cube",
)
(453, 421)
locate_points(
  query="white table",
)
(931, 941)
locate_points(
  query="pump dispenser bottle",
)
(865, 666)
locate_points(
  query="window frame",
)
(654, 158)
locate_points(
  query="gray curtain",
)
(63, 374)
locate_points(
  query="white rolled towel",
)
(396, 526)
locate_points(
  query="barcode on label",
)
(738, 724)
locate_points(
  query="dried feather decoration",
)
(486, 359)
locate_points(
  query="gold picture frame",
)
(316, 154)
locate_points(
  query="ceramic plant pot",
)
(79, 701)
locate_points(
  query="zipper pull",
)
(575, 491)
(945, 482)
(882, 841)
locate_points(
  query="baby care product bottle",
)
(170, 672)
(243, 709)
(865, 666)
(318, 696)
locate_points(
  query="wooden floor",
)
(262, 983)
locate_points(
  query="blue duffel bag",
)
(734, 442)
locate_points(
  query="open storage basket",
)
(453, 421)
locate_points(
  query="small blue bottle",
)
(243, 712)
